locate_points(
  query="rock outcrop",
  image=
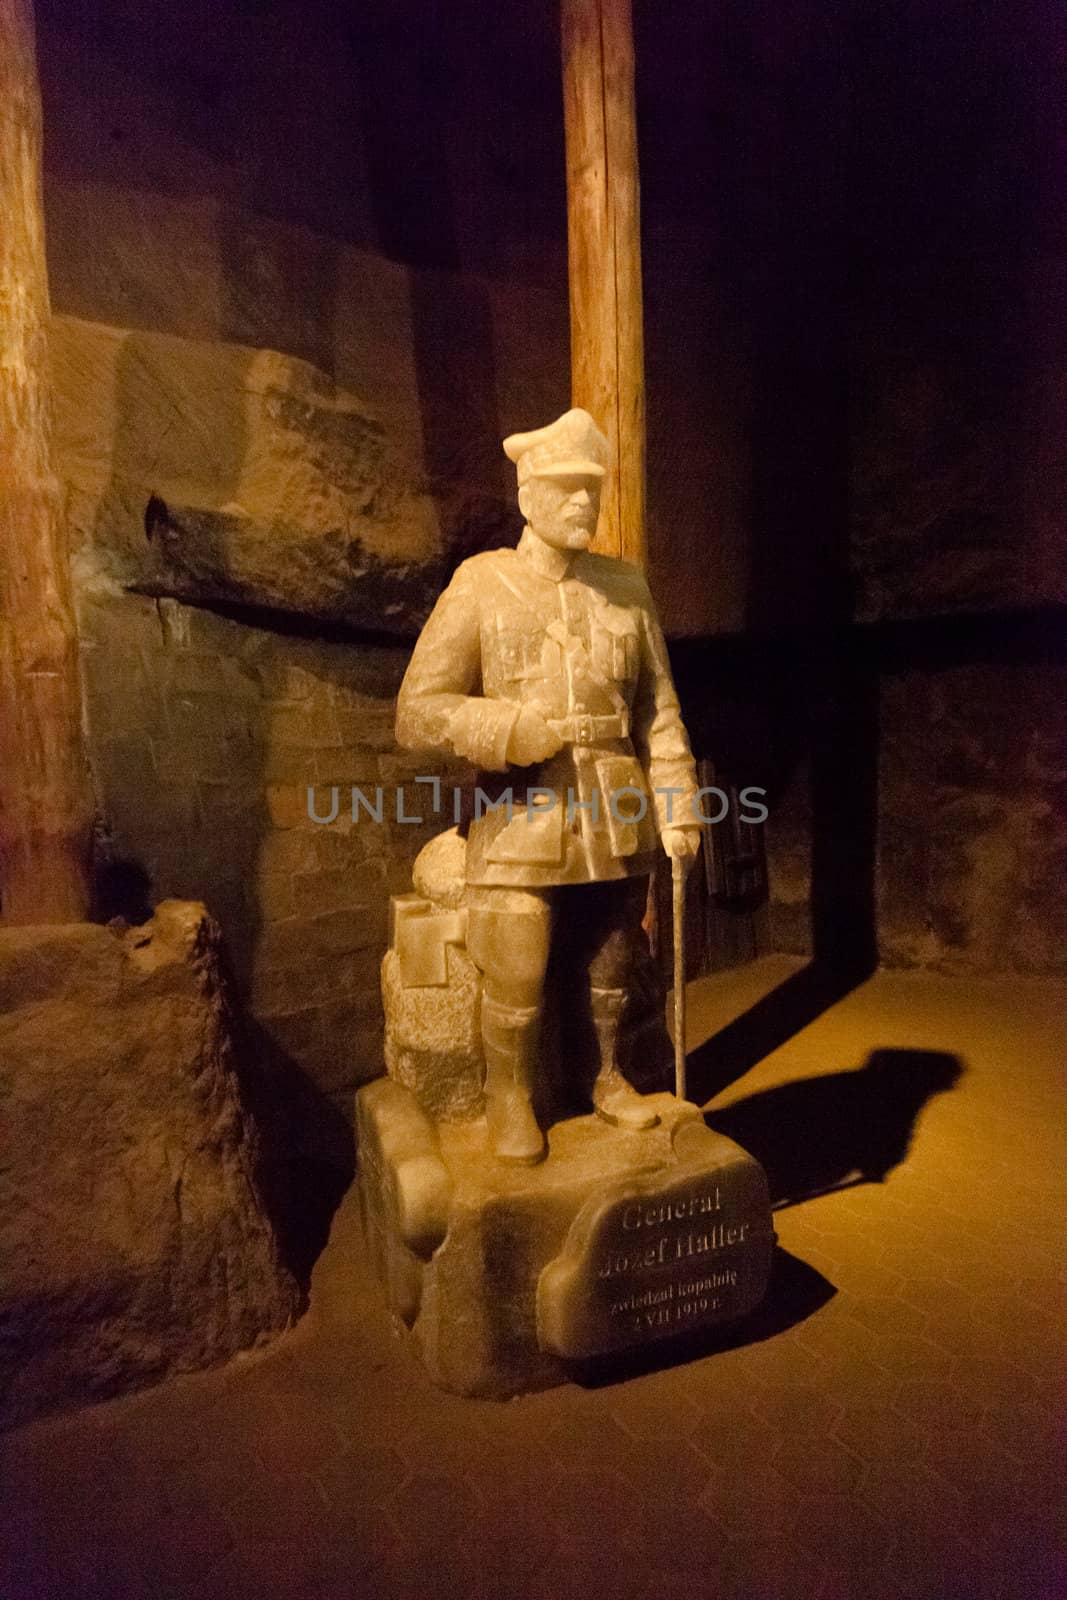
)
(200, 554)
(134, 1236)
(212, 472)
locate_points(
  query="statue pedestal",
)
(510, 1276)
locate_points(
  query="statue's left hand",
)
(682, 844)
(532, 739)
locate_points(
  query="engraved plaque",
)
(685, 1247)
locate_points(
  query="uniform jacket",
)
(587, 651)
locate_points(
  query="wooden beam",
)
(45, 798)
(604, 240)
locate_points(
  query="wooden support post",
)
(604, 235)
(45, 797)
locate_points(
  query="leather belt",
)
(580, 729)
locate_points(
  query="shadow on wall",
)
(800, 587)
(848, 1127)
(777, 712)
(279, 289)
(792, 695)
(405, 100)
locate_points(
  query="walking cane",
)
(678, 916)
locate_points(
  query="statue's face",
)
(562, 511)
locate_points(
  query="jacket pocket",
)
(615, 651)
(519, 651)
(624, 803)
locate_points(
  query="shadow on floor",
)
(821, 1133)
(795, 1292)
(774, 1019)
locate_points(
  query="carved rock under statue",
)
(545, 667)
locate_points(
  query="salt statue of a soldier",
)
(545, 667)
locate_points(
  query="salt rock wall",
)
(282, 375)
(973, 848)
(879, 206)
(207, 733)
(297, 180)
(962, 863)
(289, 527)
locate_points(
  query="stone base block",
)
(511, 1278)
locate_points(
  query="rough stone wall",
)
(287, 343)
(878, 205)
(283, 514)
(380, 192)
(328, 183)
(970, 846)
(973, 849)
(206, 734)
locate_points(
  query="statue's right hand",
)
(531, 739)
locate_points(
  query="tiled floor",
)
(895, 1437)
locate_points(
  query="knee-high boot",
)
(510, 1036)
(615, 1100)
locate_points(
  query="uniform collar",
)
(545, 558)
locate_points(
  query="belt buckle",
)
(584, 734)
